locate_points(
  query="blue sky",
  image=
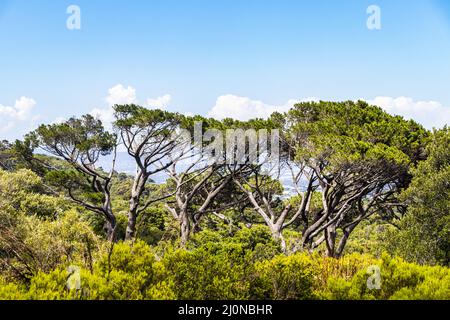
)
(234, 57)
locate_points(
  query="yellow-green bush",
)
(24, 190)
(198, 274)
(344, 268)
(11, 291)
(229, 270)
(125, 273)
(284, 278)
(30, 244)
(399, 280)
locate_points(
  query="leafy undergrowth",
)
(231, 270)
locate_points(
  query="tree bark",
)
(185, 228)
(330, 240)
(136, 193)
(277, 235)
(111, 228)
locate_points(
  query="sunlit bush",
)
(399, 280)
(216, 267)
(284, 278)
(30, 245)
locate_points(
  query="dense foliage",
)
(231, 270)
(425, 230)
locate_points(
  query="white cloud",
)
(59, 120)
(160, 102)
(121, 95)
(244, 108)
(106, 115)
(21, 112)
(429, 113)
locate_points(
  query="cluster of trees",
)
(348, 174)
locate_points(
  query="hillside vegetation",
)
(365, 213)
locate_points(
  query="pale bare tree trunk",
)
(185, 228)
(130, 232)
(136, 193)
(277, 235)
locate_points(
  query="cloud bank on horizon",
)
(120, 94)
(21, 113)
(431, 114)
(22, 116)
(244, 108)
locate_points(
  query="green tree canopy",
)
(424, 235)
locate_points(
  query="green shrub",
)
(436, 286)
(200, 275)
(399, 280)
(31, 244)
(11, 290)
(256, 242)
(284, 278)
(221, 268)
(26, 195)
(125, 273)
(151, 225)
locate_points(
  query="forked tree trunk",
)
(182, 217)
(277, 235)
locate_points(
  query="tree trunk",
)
(136, 193)
(111, 221)
(330, 240)
(111, 228)
(343, 242)
(185, 227)
(130, 232)
(132, 217)
(277, 235)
